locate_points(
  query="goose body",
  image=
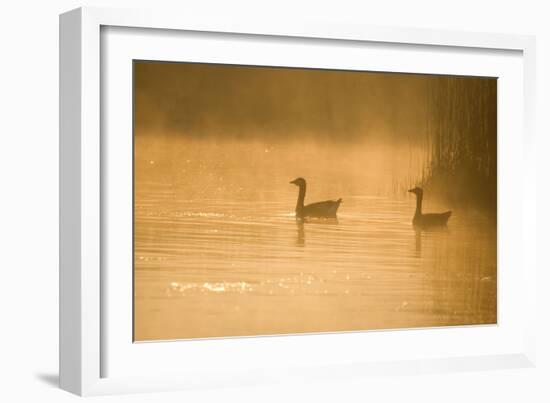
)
(324, 209)
(427, 220)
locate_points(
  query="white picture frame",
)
(90, 341)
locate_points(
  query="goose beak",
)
(410, 190)
(293, 182)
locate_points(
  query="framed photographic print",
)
(350, 192)
(227, 246)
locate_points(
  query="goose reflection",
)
(421, 234)
(301, 223)
(418, 243)
(300, 236)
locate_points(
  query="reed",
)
(461, 163)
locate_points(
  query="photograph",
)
(273, 200)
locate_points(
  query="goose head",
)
(299, 182)
(417, 191)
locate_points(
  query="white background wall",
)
(29, 201)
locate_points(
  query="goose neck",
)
(301, 197)
(418, 205)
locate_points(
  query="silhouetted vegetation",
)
(462, 136)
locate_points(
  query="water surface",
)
(218, 251)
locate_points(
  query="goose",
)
(325, 209)
(427, 220)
